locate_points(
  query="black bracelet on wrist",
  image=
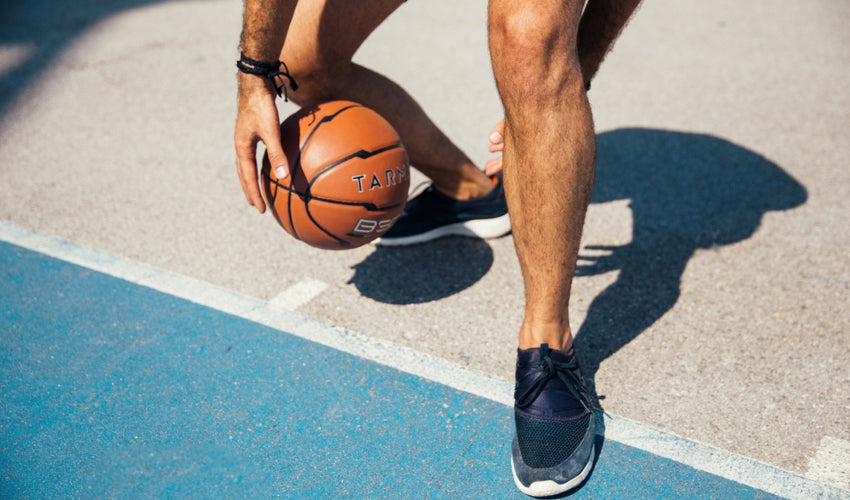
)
(268, 69)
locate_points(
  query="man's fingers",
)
(277, 158)
(246, 167)
(493, 166)
(496, 139)
(497, 135)
(497, 145)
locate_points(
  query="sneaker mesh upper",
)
(546, 443)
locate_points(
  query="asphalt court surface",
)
(711, 300)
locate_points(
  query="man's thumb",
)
(277, 160)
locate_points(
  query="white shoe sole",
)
(477, 228)
(548, 488)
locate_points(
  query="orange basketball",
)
(349, 176)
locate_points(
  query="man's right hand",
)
(257, 120)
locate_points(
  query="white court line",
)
(831, 463)
(697, 455)
(299, 294)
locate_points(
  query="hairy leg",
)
(601, 24)
(549, 153)
(322, 39)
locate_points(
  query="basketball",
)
(348, 180)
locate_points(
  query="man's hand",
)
(265, 24)
(257, 121)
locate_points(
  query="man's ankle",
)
(557, 338)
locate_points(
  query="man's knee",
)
(533, 45)
(317, 82)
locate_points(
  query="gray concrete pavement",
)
(712, 300)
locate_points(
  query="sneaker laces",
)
(546, 370)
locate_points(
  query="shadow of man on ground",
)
(686, 191)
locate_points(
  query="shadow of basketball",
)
(422, 273)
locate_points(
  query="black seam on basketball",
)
(371, 207)
(316, 223)
(289, 209)
(322, 121)
(271, 192)
(308, 196)
(297, 167)
(362, 154)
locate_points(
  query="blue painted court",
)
(111, 389)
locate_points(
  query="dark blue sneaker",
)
(431, 215)
(553, 448)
